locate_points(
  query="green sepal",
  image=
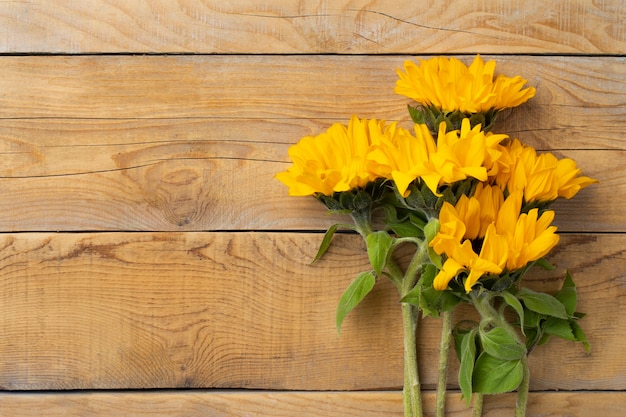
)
(496, 376)
(416, 115)
(346, 200)
(379, 246)
(353, 295)
(502, 283)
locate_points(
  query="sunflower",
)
(454, 156)
(540, 177)
(336, 160)
(449, 85)
(487, 234)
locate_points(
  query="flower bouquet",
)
(473, 205)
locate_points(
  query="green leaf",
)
(378, 247)
(429, 272)
(544, 339)
(532, 319)
(418, 221)
(448, 300)
(328, 237)
(413, 297)
(410, 226)
(580, 335)
(467, 356)
(532, 337)
(514, 303)
(498, 343)
(431, 229)
(435, 258)
(542, 303)
(567, 295)
(559, 328)
(353, 295)
(405, 229)
(496, 376)
(423, 295)
(542, 263)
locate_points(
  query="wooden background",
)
(150, 264)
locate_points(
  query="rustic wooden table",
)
(145, 245)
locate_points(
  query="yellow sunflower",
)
(455, 156)
(486, 234)
(336, 160)
(540, 177)
(449, 85)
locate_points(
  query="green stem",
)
(415, 267)
(444, 349)
(411, 393)
(478, 405)
(404, 282)
(488, 313)
(522, 390)
(362, 221)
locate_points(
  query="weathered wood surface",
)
(191, 143)
(288, 404)
(290, 26)
(246, 310)
(146, 153)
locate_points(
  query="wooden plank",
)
(571, 90)
(246, 310)
(198, 186)
(152, 143)
(305, 404)
(288, 26)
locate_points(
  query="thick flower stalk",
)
(474, 204)
(346, 168)
(488, 241)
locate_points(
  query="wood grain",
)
(246, 310)
(305, 404)
(200, 279)
(289, 26)
(159, 143)
(578, 89)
